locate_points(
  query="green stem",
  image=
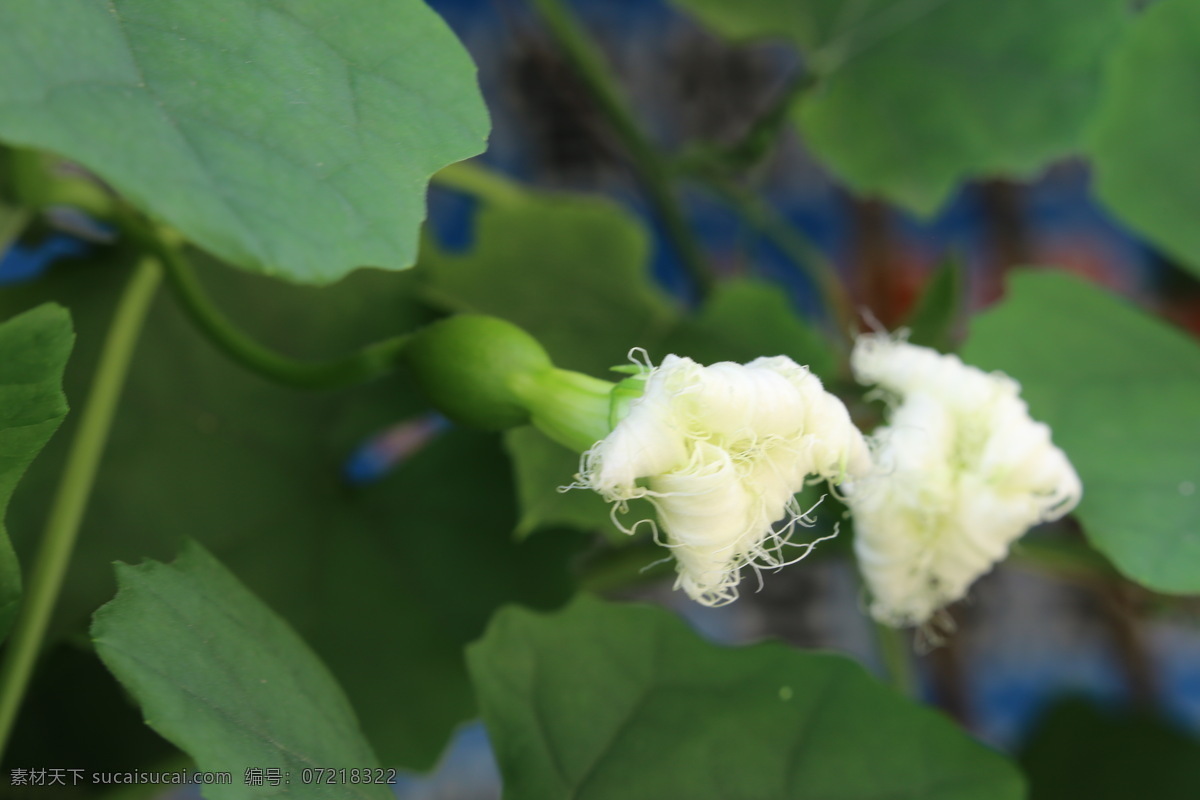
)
(648, 164)
(764, 218)
(756, 143)
(571, 408)
(370, 362)
(37, 185)
(480, 182)
(765, 132)
(74, 489)
(897, 658)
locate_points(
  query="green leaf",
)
(916, 95)
(1080, 751)
(373, 577)
(614, 701)
(571, 270)
(745, 319)
(224, 678)
(1120, 390)
(1143, 143)
(936, 320)
(291, 138)
(34, 348)
(540, 467)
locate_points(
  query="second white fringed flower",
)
(961, 471)
(721, 451)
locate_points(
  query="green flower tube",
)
(487, 373)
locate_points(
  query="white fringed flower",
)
(961, 471)
(721, 451)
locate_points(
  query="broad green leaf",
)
(745, 319)
(1120, 391)
(372, 576)
(291, 138)
(916, 95)
(614, 701)
(1080, 751)
(34, 348)
(1143, 142)
(227, 680)
(936, 319)
(571, 270)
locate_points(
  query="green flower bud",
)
(468, 366)
(487, 373)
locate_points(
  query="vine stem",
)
(74, 489)
(370, 362)
(650, 166)
(481, 182)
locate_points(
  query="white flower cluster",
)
(961, 471)
(957, 474)
(721, 451)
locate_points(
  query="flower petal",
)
(721, 451)
(961, 471)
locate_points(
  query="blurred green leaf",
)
(614, 701)
(935, 320)
(34, 348)
(745, 319)
(221, 676)
(1120, 390)
(1080, 752)
(1143, 144)
(569, 269)
(917, 95)
(540, 466)
(386, 582)
(291, 138)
